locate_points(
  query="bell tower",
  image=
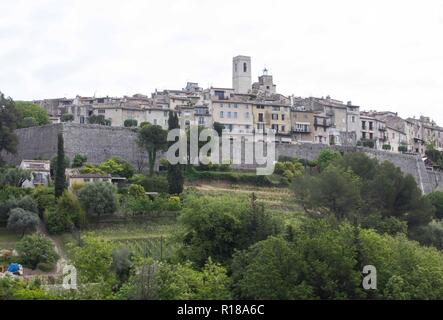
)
(241, 74)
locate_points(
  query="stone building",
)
(241, 74)
(302, 125)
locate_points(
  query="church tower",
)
(241, 74)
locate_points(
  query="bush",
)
(156, 183)
(79, 160)
(389, 225)
(66, 117)
(139, 205)
(117, 167)
(14, 177)
(34, 249)
(22, 221)
(234, 177)
(402, 148)
(136, 190)
(143, 205)
(8, 192)
(65, 215)
(386, 147)
(326, 157)
(28, 203)
(55, 222)
(436, 199)
(44, 197)
(130, 123)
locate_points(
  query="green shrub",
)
(156, 183)
(28, 203)
(14, 177)
(7, 192)
(136, 190)
(234, 177)
(386, 147)
(130, 123)
(57, 223)
(402, 148)
(79, 160)
(139, 205)
(98, 199)
(34, 249)
(44, 197)
(174, 203)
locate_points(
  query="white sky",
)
(383, 55)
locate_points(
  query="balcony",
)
(322, 123)
(301, 129)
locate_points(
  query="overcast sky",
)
(383, 55)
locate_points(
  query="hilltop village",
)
(255, 107)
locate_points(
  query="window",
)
(283, 117)
(363, 135)
(283, 128)
(275, 108)
(363, 125)
(353, 119)
(275, 127)
(220, 95)
(235, 67)
(274, 116)
(247, 115)
(229, 114)
(165, 113)
(371, 125)
(260, 117)
(101, 111)
(155, 122)
(236, 106)
(222, 114)
(245, 67)
(201, 121)
(235, 115)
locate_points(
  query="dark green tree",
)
(21, 220)
(9, 117)
(79, 160)
(98, 198)
(32, 111)
(175, 172)
(152, 138)
(60, 183)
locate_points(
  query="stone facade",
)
(99, 143)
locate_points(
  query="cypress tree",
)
(175, 172)
(59, 184)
